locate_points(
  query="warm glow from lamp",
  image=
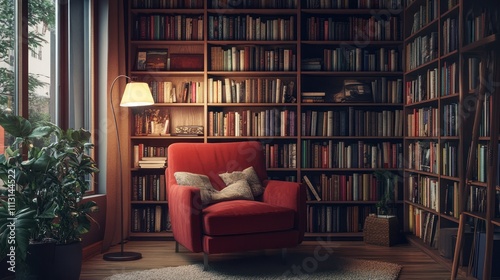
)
(137, 94)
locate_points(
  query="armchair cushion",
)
(251, 217)
(247, 174)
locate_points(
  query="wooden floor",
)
(416, 264)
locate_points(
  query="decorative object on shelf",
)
(159, 122)
(186, 62)
(186, 130)
(354, 91)
(135, 94)
(386, 204)
(381, 231)
(154, 59)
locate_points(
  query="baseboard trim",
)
(92, 250)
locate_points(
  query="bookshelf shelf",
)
(394, 12)
(481, 45)
(430, 26)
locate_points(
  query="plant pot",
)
(39, 261)
(67, 261)
(51, 261)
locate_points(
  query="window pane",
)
(7, 65)
(42, 38)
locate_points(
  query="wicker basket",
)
(381, 231)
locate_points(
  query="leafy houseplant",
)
(44, 186)
(385, 205)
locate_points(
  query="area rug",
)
(304, 267)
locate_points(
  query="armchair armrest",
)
(290, 195)
(184, 205)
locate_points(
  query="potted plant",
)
(46, 172)
(385, 206)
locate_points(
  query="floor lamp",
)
(135, 94)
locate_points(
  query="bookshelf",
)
(270, 71)
(446, 43)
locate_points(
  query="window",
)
(48, 75)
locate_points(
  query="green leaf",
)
(17, 126)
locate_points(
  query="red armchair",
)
(274, 219)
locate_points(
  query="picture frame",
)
(152, 60)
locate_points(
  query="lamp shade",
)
(137, 94)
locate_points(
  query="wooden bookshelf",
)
(456, 58)
(270, 49)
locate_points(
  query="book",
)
(311, 187)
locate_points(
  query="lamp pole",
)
(138, 100)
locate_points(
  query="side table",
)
(381, 230)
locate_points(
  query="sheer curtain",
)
(116, 65)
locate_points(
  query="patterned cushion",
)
(237, 190)
(247, 174)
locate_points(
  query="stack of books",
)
(313, 96)
(153, 162)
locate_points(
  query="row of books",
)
(251, 90)
(281, 155)
(151, 122)
(149, 187)
(332, 218)
(424, 190)
(422, 87)
(484, 124)
(349, 4)
(450, 35)
(450, 160)
(421, 50)
(352, 187)
(251, 28)
(167, 92)
(480, 23)
(333, 154)
(451, 203)
(477, 199)
(353, 29)
(253, 4)
(167, 27)
(423, 122)
(167, 4)
(423, 156)
(252, 58)
(425, 14)
(481, 164)
(358, 59)
(150, 218)
(449, 78)
(451, 119)
(424, 225)
(352, 122)
(270, 122)
(141, 151)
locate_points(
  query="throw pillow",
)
(197, 180)
(248, 174)
(237, 190)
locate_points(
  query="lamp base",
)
(122, 256)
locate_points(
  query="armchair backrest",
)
(212, 159)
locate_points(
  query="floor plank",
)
(416, 264)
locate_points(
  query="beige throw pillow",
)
(249, 175)
(199, 181)
(237, 190)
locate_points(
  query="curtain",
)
(116, 65)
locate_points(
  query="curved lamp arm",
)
(135, 94)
